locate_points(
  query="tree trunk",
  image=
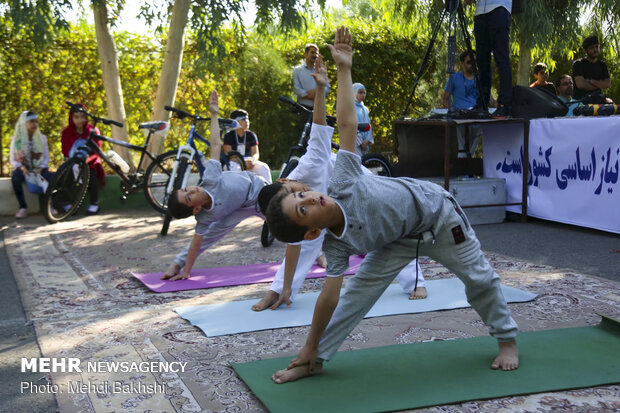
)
(525, 63)
(171, 69)
(111, 77)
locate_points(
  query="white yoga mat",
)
(237, 316)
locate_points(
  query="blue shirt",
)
(572, 104)
(303, 82)
(464, 92)
(485, 6)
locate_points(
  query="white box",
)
(478, 191)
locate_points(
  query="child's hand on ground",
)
(320, 72)
(285, 297)
(307, 356)
(342, 49)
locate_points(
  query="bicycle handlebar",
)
(181, 114)
(331, 120)
(77, 108)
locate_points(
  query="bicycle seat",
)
(158, 127)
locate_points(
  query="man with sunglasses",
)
(461, 93)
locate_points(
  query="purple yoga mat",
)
(228, 276)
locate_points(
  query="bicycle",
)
(186, 168)
(375, 162)
(68, 188)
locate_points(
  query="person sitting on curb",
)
(28, 155)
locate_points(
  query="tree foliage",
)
(253, 72)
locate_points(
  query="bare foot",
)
(283, 376)
(418, 294)
(322, 261)
(508, 357)
(267, 301)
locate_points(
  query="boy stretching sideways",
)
(312, 173)
(406, 214)
(222, 201)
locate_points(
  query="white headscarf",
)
(356, 88)
(21, 142)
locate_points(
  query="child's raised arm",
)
(342, 53)
(320, 77)
(215, 140)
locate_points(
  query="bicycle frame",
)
(187, 151)
(128, 178)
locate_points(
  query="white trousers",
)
(311, 250)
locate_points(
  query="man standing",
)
(303, 82)
(461, 92)
(591, 74)
(492, 29)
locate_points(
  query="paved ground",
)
(106, 307)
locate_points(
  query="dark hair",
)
(589, 41)
(176, 208)
(266, 194)
(30, 113)
(562, 77)
(540, 67)
(466, 53)
(237, 113)
(77, 108)
(280, 225)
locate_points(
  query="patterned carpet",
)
(76, 288)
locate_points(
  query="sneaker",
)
(21, 213)
(502, 112)
(93, 209)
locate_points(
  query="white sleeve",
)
(315, 166)
(12, 158)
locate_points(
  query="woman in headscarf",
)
(79, 128)
(364, 139)
(28, 154)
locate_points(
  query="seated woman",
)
(244, 141)
(79, 128)
(28, 154)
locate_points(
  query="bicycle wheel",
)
(377, 164)
(66, 191)
(158, 175)
(266, 238)
(233, 162)
(292, 164)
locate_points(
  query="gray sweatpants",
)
(458, 251)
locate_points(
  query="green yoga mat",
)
(415, 375)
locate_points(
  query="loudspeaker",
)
(535, 102)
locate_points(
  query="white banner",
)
(572, 169)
